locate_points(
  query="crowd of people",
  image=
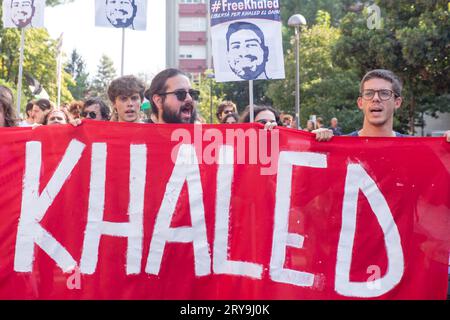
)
(173, 100)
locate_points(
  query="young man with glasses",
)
(172, 98)
(380, 96)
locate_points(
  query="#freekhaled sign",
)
(246, 40)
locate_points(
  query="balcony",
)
(192, 10)
(187, 38)
(192, 65)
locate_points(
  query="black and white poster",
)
(246, 40)
(130, 14)
(23, 13)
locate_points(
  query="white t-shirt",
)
(24, 123)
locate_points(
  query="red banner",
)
(128, 211)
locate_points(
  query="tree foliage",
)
(413, 42)
(53, 3)
(338, 48)
(309, 9)
(209, 100)
(76, 67)
(40, 54)
(105, 74)
(325, 89)
(238, 92)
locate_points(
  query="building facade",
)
(188, 36)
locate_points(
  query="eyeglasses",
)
(181, 94)
(228, 111)
(89, 115)
(264, 121)
(383, 94)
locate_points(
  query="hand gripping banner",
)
(138, 211)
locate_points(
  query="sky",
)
(144, 50)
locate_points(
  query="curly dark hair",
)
(222, 106)
(6, 103)
(125, 86)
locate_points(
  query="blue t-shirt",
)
(397, 134)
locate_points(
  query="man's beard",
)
(247, 72)
(170, 116)
(23, 22)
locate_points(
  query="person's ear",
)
(360, 102)
(398, 102)
(158, 101)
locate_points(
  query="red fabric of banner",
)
(130, 211)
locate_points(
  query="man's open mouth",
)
(186, 111)
(376, 110)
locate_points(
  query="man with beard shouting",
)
(172, 98)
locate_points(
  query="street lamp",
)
(296, 21)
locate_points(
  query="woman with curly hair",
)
(8, 116)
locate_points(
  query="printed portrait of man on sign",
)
(23, 13)
(121, 14)
(246, 40)
(247, 52)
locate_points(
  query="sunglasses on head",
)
(181, 94)
(89, 115)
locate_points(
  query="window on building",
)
(192, 52)
(192, 24)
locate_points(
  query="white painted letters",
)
(96, 226)
(35, 205)
(281, 237)
(221, 264)
(184, 170)
(358, 179)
